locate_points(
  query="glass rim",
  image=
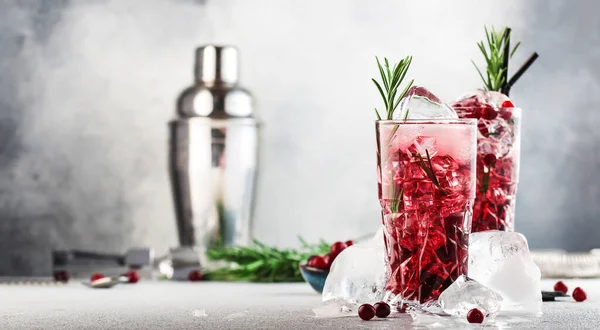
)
(432, 121)
(499, 108)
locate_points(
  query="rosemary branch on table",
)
(262, 263)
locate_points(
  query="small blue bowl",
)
(314, 276)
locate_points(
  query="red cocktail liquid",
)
(426, 205)
(498, 145)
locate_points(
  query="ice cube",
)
(358, 274)
(481, 97)
(501, 261)
(420, 103)
(465, 294)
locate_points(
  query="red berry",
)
(195, 276)
(505, 113)
(489, 113)
(475, 316)
(507, 104)
(337, 248)
(133, 276)
(61, 276)
(349, 243)
(561, 287)
(317, 262)
(96, 276)
(366, 312)
(579, 295)
(489, 160)
(483, 129)
(382, 309)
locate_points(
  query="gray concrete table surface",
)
(171, 305)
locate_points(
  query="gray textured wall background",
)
(86, 89)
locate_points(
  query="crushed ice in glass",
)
(358, 274)
(465, 294)
(501, 261)
(422, 104)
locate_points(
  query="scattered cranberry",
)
(489, 160)
(195, 276)
(507, 104)
(475, 316)
(579, 295)
(366, 312)
(96, 276)
(337, 248)
(317, 262)
(561, 287)
(61, 276)
(382, 309)
(349, 243)
(133, 276)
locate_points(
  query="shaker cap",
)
(216, 65)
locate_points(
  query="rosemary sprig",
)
(428, 168)
(391, 79)
(497, 55)
(262, 263)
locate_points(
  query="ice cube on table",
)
(501, 261)
(358, 274)
(465, 294)
(422, 104)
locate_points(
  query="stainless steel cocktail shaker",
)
(214, 153)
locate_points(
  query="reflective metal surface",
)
(213, 154)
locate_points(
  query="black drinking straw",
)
(506, 54)
(520, 72)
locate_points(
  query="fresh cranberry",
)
(561, 287)
(96, 276)
(328, 260)
(506, 114)
(195, 276)
(475, 316)
(337, 248)
(507, 104)
(349, 243)
(489, 160)
(61, 276)
(317, 262)
(483, 129)
(489, 113)
(382, 309)
(579, 295)
(133, 276)
(366, 312)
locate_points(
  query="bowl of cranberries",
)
(316, 268)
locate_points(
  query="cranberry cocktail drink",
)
(426, 183)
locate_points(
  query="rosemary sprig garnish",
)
(497, 55)
(391, 79)
(496, 58)
(262, 263)
(428, 168)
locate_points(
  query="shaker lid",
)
(217, 65)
